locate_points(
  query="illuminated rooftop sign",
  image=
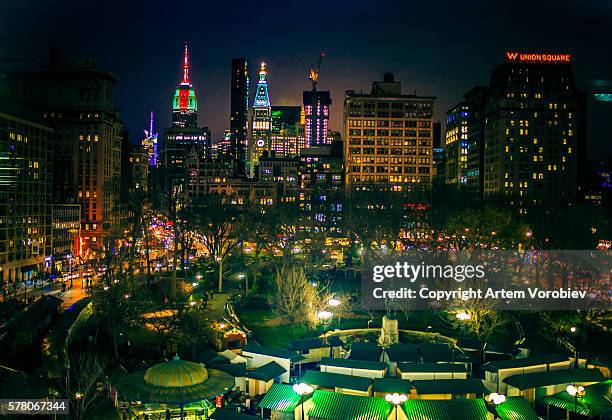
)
(515, 56)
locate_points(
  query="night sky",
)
(439, 48)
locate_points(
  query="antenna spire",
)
(151, 124)
(186, 66)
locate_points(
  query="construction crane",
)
(314, 72)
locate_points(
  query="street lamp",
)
(333, 302)
(463, 316)
(325, 317)
(495, 399)
(396, 399)
(302, 389)
(575, 392)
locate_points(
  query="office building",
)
(287, 131)
(25, 192)
(535, 129)
(239, 111)
(75, 98)
(388, 137)
(261, 121)
(456, 145)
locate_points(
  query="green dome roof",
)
(176, 373)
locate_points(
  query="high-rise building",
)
(185, 103)
(224, 147)
(476, 100)
(456, 145)
(184, 135)
(25, 192)
(261, 123)
(287, 131)
(149, 143)
(316, 109)
(239, 112)
(534, 130)
(388, 137)
(75, 98)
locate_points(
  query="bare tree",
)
(85, 386)
(220, 225)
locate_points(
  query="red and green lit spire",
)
(185, 96)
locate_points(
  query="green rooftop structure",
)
(353, 364)
(336, 380)
(272, 352)
(391, 385)
(516, 408)
(175, 385)
(281, 397)
(335, 406)
(450, 386)
(524, 362)
(266, 372)
(554, 377)
(474, 409)
(597, 400)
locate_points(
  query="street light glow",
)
(396, 399)
(463, 316)
(302, 388)
(324, 315)
(496, 398)
(333, 302)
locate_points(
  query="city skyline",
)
(148, 62)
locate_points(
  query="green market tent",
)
(281, 397)
(336, 406)
(392, 385)
(597, 400)
(554, 377)
(176, 382)
(446, 409)
(516, 408)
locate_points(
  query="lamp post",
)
(302, 389)
(495, 399)
(325, 317)
(396, 399)
(575, 392)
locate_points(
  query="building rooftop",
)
(336, 380)
(391, 385)
(554, 377)
(432, 367)
(365, 351)
(474, 409)
(266, 372)
(450, 386)
(272, 352)
(353, 363)
(516, 408)
(281, 397)
(336, 406)
(527, 361)
(315, 343)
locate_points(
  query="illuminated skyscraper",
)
(288, 131)
(185, 103)
(534, 134)
(239, 114)
(456, 141)
(149, 143)
(261, 123)
(184, 137)
(316, 108)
